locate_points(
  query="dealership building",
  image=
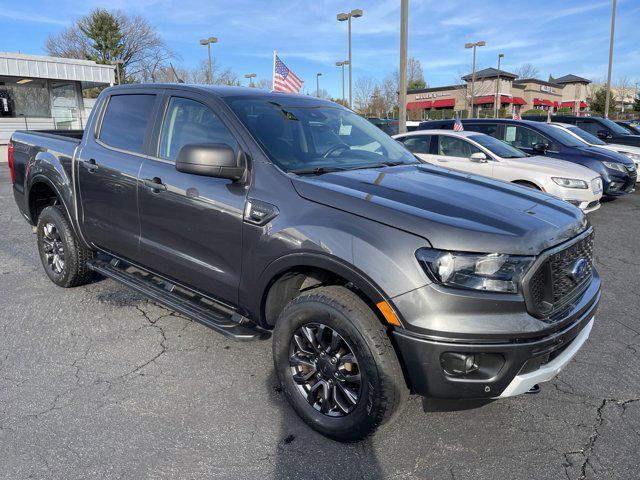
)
(513, 94)
(39, 92)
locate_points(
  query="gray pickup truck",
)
(273, 215)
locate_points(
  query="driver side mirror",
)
(211, 160)
(540, 148)
(604, 135)
(478, 157)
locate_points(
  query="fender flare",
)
(314, 260)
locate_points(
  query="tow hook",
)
(535, 389)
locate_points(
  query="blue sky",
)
(557, 36)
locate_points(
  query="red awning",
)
(518, 101)
(537, 101)
(484, 99)
(555, 104)
(505, 99)
(572, 104)
(421, 104)
(444, 103)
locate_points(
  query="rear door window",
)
(590, 126)
(491, 129)
(125, 121)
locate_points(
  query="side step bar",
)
(180, 300)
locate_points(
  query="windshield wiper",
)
(316, 170)
(379, 165)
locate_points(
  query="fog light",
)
(457, 364)
(615, 186)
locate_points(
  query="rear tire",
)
(63, 257)
(375, 387)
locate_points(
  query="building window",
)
(28, 99)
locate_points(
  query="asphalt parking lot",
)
(98, 382)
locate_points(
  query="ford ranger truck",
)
(269, 215)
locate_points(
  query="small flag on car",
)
(284, 80)
(549, 116)
(516, 114)
(457, 126)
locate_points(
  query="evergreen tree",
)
(598, 102)
(105, 37)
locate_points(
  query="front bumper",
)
(620, 184)
(506, 367)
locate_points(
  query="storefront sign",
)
(546, 88)
(424, 96)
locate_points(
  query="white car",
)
(481, 154)
(628, 151)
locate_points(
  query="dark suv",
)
(271, 215)
(603, 128)
(618, 172)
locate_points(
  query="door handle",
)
(155, 184)
(90, 165)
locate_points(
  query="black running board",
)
(181, 300)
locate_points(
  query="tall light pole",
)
(318, 75)
(342, 64)
(473, 45)
(497, 102)
(356, 13)
(250, 76)
(208, 42)
(608, 93)
(402, 84)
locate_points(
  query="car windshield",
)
(565, 138)
(317, 138)
(614, 127)
(498, 147)
(586, 136)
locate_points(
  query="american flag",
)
(457, 126)
(516, 114)
(284, 80)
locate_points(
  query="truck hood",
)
(553, 167)
(451, 210)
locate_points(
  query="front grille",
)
(556, 282)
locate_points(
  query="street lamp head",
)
(249, 75)
(481, 43)
(204, 41)
(213, 39)
(501, 55)
(356, 13)
(342, 17)
(318, 74)
(469, 45)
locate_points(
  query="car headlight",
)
(570, 182)
(615, 166)
(492, 272)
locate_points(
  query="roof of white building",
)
(55, 68)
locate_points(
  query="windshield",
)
(614, 127)
(560, 135)
(498, 147)
(316, 138)
(586, 136)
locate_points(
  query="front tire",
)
(336, 364)
(63, 257)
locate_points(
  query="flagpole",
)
(273, 73)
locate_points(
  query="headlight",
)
(570, 182)
(615, 166)
(488, 272)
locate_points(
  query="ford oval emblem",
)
(578, 270)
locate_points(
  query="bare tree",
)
(263, 83)
(144, 52)
(624, 91)
(527, 70)
(390, 94)
(363, 91)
